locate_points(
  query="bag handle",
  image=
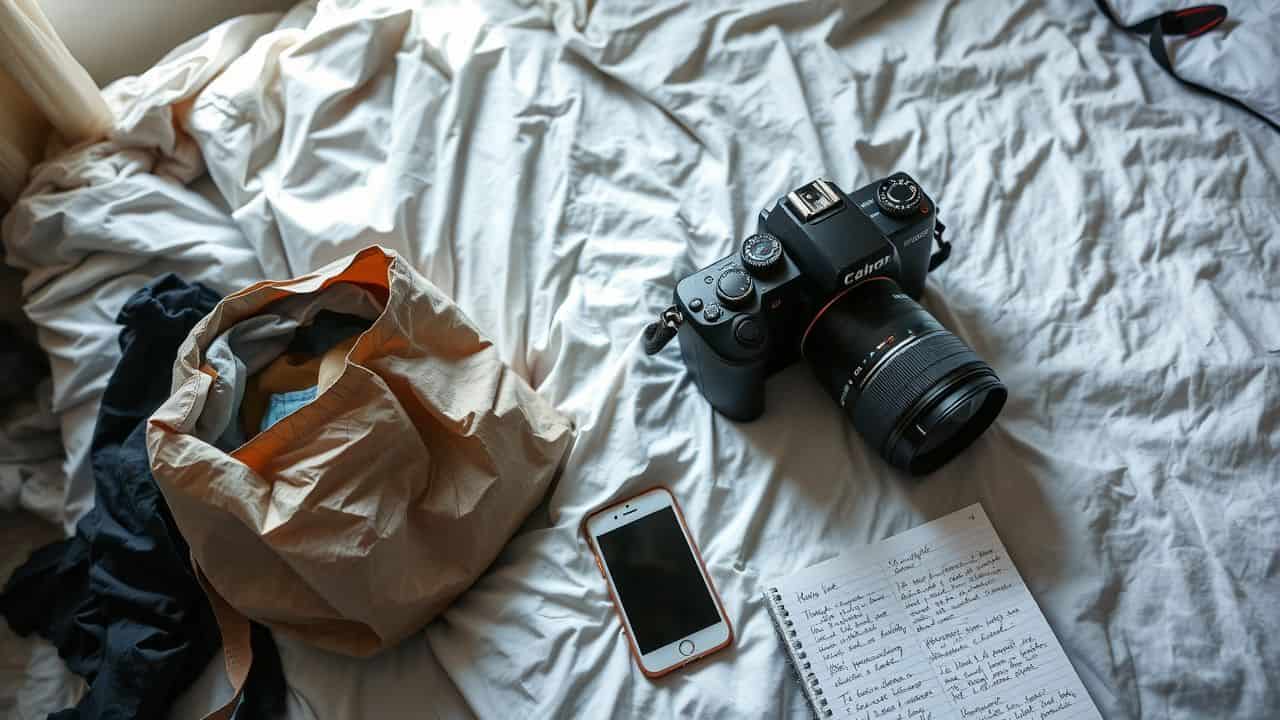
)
(237, 645)
(1191, 22)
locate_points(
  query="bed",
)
(557, 166)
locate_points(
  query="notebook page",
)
(933, 623)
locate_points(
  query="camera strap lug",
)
(944, 248)
(659, 332)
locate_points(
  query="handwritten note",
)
(932, 623)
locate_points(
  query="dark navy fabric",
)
(326, 329)
(119, 599)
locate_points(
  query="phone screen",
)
(658, 580)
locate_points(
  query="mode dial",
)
(898, 196)
(761, 253)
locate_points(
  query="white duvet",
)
(557, 167)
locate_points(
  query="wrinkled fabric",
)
(556, 168)
(32, 504)
(31, 456)
(1114, 262)
(87, 232)
(118, 599)
(33, 679)
(376, 505)
(89, 229)
(31, 452)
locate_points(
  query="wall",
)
(113, 38)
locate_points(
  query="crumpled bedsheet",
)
(31, 454)
(556, 167)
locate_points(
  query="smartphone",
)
(660, 588)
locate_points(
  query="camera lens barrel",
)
(916, 392)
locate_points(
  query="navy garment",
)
(326, 329)
(119, 599)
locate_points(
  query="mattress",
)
(557, 167)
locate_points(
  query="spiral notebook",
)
(932, 623)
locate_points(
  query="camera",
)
(834, 278)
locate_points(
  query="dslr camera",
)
(834, 278)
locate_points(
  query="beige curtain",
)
(41, 87)
(22, 135)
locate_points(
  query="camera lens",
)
(914, 391)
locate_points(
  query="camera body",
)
(745, 315)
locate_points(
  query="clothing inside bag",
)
(272, 364)
(283, 404)
(291, 380)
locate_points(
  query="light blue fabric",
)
(282, 405)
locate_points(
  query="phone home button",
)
(685, 647)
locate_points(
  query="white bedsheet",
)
(558, 169)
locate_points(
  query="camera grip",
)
(735, 389)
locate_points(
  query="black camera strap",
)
(1191, 22)
(659, 332)
(943, 252)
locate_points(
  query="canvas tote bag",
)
(354, 521)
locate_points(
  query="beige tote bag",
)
(353, 522)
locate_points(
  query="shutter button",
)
(712, 313)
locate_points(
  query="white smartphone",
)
(660, 587)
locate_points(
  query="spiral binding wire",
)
(799, 659)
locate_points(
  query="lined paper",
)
(933, 623)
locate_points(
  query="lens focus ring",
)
(920, 401)
(904, 379)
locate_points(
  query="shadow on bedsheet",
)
(854, 29)
(803, 476)
(822, 470)
(819, 466)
